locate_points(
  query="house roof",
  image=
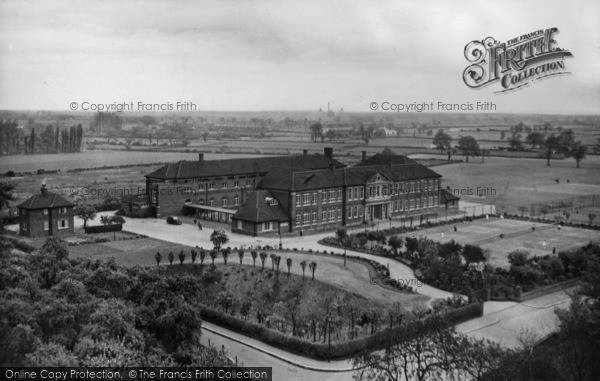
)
(448, 197)
(386, 159)
(258, 209)
(47, 200)
(295, 180)
(228, 167)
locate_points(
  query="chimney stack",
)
(200, 157)
(364, 156)
(328, 151)
(305, 152)
(44, 190)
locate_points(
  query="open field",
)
(519, 235)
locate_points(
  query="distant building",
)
(46, 214)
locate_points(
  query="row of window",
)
(355, 211)
(327, 196)
(419, 203)
(327, 215)
(356, 193)
(225, 184)
(224, 201)
(62, 224)
(60, 211)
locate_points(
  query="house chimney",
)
(364, 156)
(328, 151)
(44, 190)
(200, 157)
(305, 152)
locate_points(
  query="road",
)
(503, 322)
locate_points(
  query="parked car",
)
(173, 220)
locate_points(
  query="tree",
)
(194, 254)
(277, 261)
(442, 140)
(158, 258)
(551, 144)
(241, 256)
(254, 254)
(263, 258)
(225, 254)
(288, 263)
(205, 136)
(171, 258)
(395, 243)
(85, 211)
(181, 257)
(303, 265)
(273, 258)
(219, 238)
(515, 142)
(32, 140)
(316, 131)
(6, 189)
(213, 255)
(473, 254)
(202, 256)
(468, 146)
(578, 152)
(535, 139)
(313, 268)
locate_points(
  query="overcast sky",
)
(283, 55)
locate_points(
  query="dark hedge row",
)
(322, 351)
(104, 228)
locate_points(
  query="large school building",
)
(294, 194)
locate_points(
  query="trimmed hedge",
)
(322, 351)
(103, 228)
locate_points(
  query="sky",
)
(283, 55)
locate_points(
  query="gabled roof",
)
(386, 159)
(448, 197)
(293, 180)
(229, 167)
(258, 209)
(43, 201)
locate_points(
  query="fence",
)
(571, 203)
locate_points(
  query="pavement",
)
(503, 322)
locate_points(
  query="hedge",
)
(104, 228)
(322, 351)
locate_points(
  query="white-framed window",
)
(62, 211)
(240, 224)
(46, 225)
(298, 219)
(349, 212)
(362, 193)
(355, 192)
(267, 226)
(248, 183)
(306, 198)
(211, 202)
(401, 206)
(314, 217)
(63, 224)
(401, 188)
(331, 196)
(224, 202)
(314, 198)
(355, 210)
(201, 186)
(298, 200)
(236, 183)
(324, 197)
(224, 184)
(339, 195)
(306, 218)
(339, 214)
(395, 206)
(331, 214)
(361, 211)
(45, 212)
(349, 194)
(236, 200)
(324, 216)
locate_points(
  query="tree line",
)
(14, 140)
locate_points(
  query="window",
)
(201, 186)
(339, 214)
(350, 194)
(306, 198)
(306, 218)
(314, 198)
(62, 211)
(411, 204)
(298, 200)
(236, 183)
(267, 226)
(401, 206)
(248, 183)
(339, 195)
(25, 226)
(431, 201)
(63, 224)
(331, 196)
(211, 185)
(324, 197)
(46, 225)
(224, 202)
(224, 184)
(236, 200)
(401, 188)
(298, 219)
(331, 214)
(355, 208)
(211, 202)
(45, 212)
(240, 224)
(395, 206)
(314, 217)
(356, 192)
(360, 210)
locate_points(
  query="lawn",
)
(518, 235)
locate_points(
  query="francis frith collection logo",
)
(516, 63)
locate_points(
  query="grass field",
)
(519, 235)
